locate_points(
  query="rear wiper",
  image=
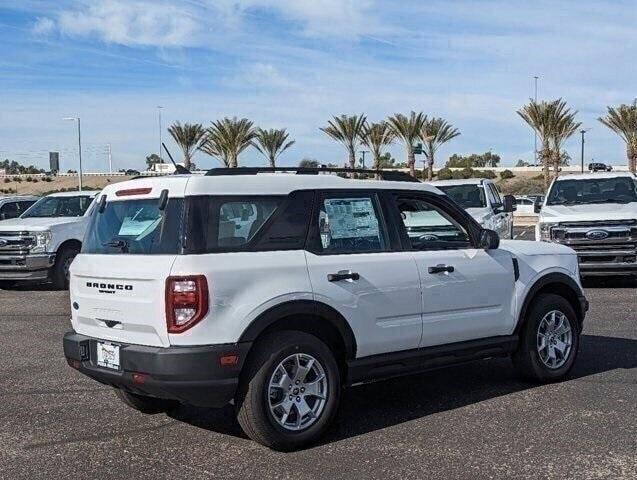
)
(121, 244)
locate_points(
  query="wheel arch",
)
(70, 243)
(315, 318)
(558, 284)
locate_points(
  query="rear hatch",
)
(118, 282)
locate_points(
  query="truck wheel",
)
(148, 405)
(289, 391)
(549, 340)
(60, 271)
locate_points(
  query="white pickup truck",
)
(41, 244)
(596, 215)
(482, 200)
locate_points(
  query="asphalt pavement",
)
(476, 421)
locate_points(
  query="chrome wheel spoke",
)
(554, 339)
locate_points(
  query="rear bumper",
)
(191, 375)
(26, 267)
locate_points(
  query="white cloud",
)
(132, 23)
(43, 26)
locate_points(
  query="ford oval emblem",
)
(597, 234)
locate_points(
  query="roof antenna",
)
(178, 168)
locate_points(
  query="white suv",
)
(274, 291)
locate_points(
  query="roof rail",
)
(390, 175)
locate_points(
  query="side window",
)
(350, 224)
(22, 206)
(240, 221)
(493, 195)
(430, 228)
(9, 210)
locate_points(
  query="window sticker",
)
(351, 218)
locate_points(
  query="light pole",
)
(363, 152)
(159, 107)
(583, 132)
(79, 146)
(535, 143)
(110, 159)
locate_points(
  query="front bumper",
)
(192, 375)
(26, 267)
(589, 267)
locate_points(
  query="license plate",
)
(108, 355)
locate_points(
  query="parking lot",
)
(474, 421)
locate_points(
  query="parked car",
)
(595, 214)
(131, 172)
(483, 201)
(334, 282)
(13, 207)
(524, 207)
(600, 167)
(42, 242)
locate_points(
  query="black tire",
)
(147, 405)
(59, 272)
(527, 359)
(253, 397)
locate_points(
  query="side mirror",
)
(489, 240)
(537, 206)
(509, 204)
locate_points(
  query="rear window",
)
(135, 227)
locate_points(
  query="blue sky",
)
(294, 63)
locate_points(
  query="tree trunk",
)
(632, 158)
(556, 163)
(430, 163)
(272, 162)
(411, 162)
(187, 161)
(352, 162)
(547, 172)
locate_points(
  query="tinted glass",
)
(24, 205)
(350, 225)
(467, 196)
(428, 228)
(226, 223)
(135, 227)
(59, 207)
(594, 190)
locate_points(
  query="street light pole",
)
(159, 107)
(583, 132)
(363, 152)
(535, 143)
(79, 147)
(110, 159)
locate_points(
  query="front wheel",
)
(549, 340)
(60, 272)
(290, 391)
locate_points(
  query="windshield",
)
(48, 207)
(594, 190)
(135, 227)
(467, 196)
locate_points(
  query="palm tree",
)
(538, 116)
(563, 126)
(623, 121)
(346, 129)
(272, 143)
(435, 132)
(376, 136)
(408, 130)
(227, 138)
(188, 136)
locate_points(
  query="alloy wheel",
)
(554, 339)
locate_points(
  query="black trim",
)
(580, 308)
(379, 367)
(191, 375)
(516, 268)
(305, 310)
(388, 175)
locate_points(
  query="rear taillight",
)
(186, 302)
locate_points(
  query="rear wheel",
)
(549, 340)
(290, 391)
(144, 404)
(61, 270)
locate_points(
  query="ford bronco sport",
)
(275, 291)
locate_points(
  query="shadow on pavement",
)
(375, 406)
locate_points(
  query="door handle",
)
(342, 275)
(441, 268)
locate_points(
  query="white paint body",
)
(395, 305)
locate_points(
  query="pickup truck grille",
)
(16, 243)
(608, 244)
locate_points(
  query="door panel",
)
(382, 306)
(353, 269)
(473, 301)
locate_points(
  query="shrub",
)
(444, 174)
(7, 180)
(18, 179)
(506, 174)
(29, 179)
